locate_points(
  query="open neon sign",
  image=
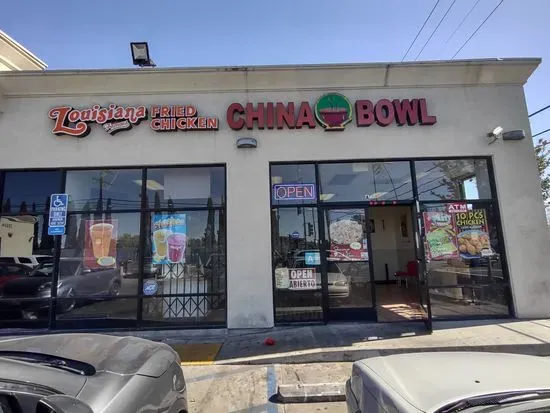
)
(293, 192)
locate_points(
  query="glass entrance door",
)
(423, 261)
(346, 268)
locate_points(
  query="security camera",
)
(494, 134)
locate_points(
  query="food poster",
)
(348, 240)
(472, 234)
(440, 235)
(169, 236)
(100, 243)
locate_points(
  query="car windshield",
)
(66, 269)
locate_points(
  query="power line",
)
(460, 24)
(435, 30)
(540, 133)
(420, 31)
(539, 111)
(476, 30)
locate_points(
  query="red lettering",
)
(285, 115)
(254, 115)
(179, 111)
(299, 192)
(202, 122)
(190, 111)
(212, 123)
(406, 111)
(291, 190)
(364, 112)
(384, 112)
(232, 110)
(155, 124)
(270, 116)
(164, 111)
(155, 111)
(425, 118)
(305, 116)
(181, 123)
(60, 116)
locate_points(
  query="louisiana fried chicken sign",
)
(113, 118)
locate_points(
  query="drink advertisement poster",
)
(347, 241)
(472, 235)
(440, 235)
(169, 236)
(100, 243)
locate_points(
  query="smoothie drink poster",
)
(472, 234)
(440, 235)
(100, 243)
(169, 236)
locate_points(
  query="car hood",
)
(25, 286)
(429, 381)
(46, 377)
(120, 355)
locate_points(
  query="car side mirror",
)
(62, 404)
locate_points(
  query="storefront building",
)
(250, 197)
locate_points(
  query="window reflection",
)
(185, 187)
(365, 181)
(453, 179)
(29, 192)
(104, 190)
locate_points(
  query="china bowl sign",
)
(114, 118)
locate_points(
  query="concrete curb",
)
(354, 354)
(311, 393)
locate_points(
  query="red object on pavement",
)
(269, 341)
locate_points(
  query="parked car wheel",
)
(114, 291)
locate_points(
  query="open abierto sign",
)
(302, 279)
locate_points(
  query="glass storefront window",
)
(104, 190)
(186, 187)
(296, 264)
(453, 179)
(186, 251)
(464, 259)
(29, 192)
(293, 184)
(365, 181)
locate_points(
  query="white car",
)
(30, 261)
(446, 382)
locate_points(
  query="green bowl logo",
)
(333, 111)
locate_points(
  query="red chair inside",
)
(412, 270)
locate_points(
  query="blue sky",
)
(69, 34)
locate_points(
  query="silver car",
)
(446, 382)
(86, 373)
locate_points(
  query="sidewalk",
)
(352, 341)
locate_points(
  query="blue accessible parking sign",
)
(58, 214)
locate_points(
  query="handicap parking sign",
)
(57, 220)
(313, 258)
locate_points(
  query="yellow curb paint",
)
(197, 353)
(197, 363)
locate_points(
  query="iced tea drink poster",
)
(100, 243)
(440, 235)
(472, 235)
(169, 236)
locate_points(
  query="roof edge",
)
(24, 51)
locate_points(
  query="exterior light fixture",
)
(514, 135)
(498, 133)
(140, 54)
(244, 143)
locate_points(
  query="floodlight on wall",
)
(140, 54)
(244, 143)
(514, 135)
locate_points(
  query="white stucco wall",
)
(464, 116)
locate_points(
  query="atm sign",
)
(293, 192)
